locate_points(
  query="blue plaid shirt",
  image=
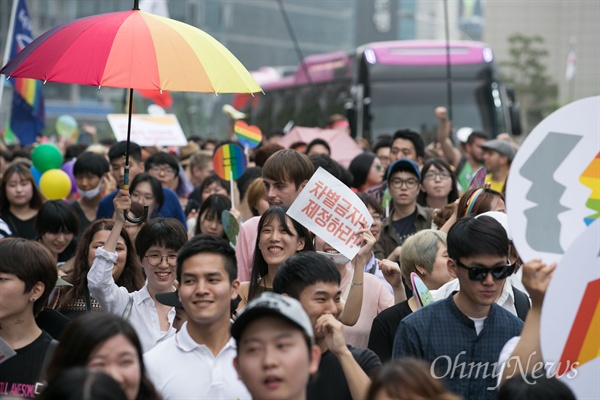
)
(445, 337)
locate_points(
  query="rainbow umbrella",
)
(134, 50)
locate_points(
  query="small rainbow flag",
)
(591, 178)
(248, 136)
(583, 343)
(229, 161)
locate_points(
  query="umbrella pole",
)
(142, 217)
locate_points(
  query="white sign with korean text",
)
(149, 130)
(331, 211)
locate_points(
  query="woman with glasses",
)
(439, 185)
(156, 244)
(366, 170)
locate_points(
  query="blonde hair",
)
(420, 250)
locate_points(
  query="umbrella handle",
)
(141, 218)
(137, 220)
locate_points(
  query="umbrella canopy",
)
(136, 50)
(343, 147)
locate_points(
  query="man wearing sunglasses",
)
(462, 335)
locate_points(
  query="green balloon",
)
(46, 157)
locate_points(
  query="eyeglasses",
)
(480, 273)
(397, 183)
(155, 259)
(162, 170)
(433, 175)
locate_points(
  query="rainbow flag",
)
(27, 116)
(591, 178)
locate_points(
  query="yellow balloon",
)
(55, 184)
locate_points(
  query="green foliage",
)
(526, 71)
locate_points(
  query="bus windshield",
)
(410, 104)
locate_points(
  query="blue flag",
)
(27, 116)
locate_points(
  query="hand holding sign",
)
(330, 210)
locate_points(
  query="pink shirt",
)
(376, 298)
(244, 249)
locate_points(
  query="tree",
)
(526, 71)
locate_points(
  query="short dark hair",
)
(155, 186)
(161, 158)
(118, 150)
(210, 179)
(477, 135)
(316, 142)
(91, 162)
(56, 216)
(288, 165)
(303, 270)
(215, 204)
(414, 137)
(31, 263)
(205, 243)
(382, 142)
(472, 236)
(262, 154)
(333, 167)
(164, 232)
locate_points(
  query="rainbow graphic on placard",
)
(591, 178)
(229, 161)
(583, 343)
(248, 136)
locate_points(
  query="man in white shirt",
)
(198, 361)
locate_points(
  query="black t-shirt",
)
(83, 221)
(20, 375)
(383, 330)
(18, 227)
(405, 227)
(330, 381)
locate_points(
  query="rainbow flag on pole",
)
(27, 115)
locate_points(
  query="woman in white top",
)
(156, 244)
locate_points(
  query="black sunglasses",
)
(480, 273)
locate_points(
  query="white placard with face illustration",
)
(553, 189)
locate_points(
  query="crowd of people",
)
(94, 306)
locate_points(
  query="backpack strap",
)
(522, 304)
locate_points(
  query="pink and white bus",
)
(388, 86)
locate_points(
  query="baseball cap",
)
(404, 164)
(272, 304)
(170, 299)
(501, 146)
